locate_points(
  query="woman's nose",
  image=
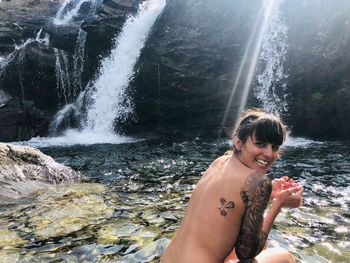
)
(268, 152)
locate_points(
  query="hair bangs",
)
(269, 130)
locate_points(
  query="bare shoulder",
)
(218, 162)
(215, 166)
(256, 186)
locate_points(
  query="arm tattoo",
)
(225, 204)
(255, 195)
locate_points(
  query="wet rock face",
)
(20, 120)
(318, 66)
(25, 169)
(18, 18)
(187, 69)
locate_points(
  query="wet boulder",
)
(24, 170)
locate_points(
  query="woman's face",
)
(257, 155)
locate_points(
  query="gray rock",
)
(25, 169)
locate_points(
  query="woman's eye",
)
(260, 144)
(275, 148)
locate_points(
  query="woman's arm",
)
(254, 230)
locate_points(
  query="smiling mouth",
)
(262, 162)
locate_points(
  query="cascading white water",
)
(63, 86)
(67, 90)
(94, 6)
(70, 9)
(107, 91)
(268, 43)
(268, 8)
(272, 81)
(109, 100)
(69, 109)
(78, 62)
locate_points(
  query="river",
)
(135, 195)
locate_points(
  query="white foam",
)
(73, 137)
(299, 142)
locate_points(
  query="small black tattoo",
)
(225, 204)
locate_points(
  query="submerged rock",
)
(148, 253)
(68, 210)
(25, 169)
(9, 238)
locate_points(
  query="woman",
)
(226, 211)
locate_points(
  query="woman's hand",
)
(292, 199)
(289, 198)
(280, 184)
(286, 192)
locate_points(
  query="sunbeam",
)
(253, 47)
(268, 6)
(241, 67)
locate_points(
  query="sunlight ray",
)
(249, 78)
(241, 67)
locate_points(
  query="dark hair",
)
(266, 127)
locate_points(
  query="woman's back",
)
(213, 218)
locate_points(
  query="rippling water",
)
(136, 194)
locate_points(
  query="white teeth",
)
(262, 162)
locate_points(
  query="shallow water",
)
(136, 196)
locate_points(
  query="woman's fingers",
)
(292, 197)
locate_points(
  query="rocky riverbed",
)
(137, 194)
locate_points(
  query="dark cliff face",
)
(187, 69)
(318, 63)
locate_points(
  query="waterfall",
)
(70, 9)
(72, 110)
(18, 55)
(78, 61)
(267, 42)
(62, 76)
(109, 100)
(67, 90)
(107, 92)
(272, 81)
(94, 6)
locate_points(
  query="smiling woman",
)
(225, 219)
(257, 139)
